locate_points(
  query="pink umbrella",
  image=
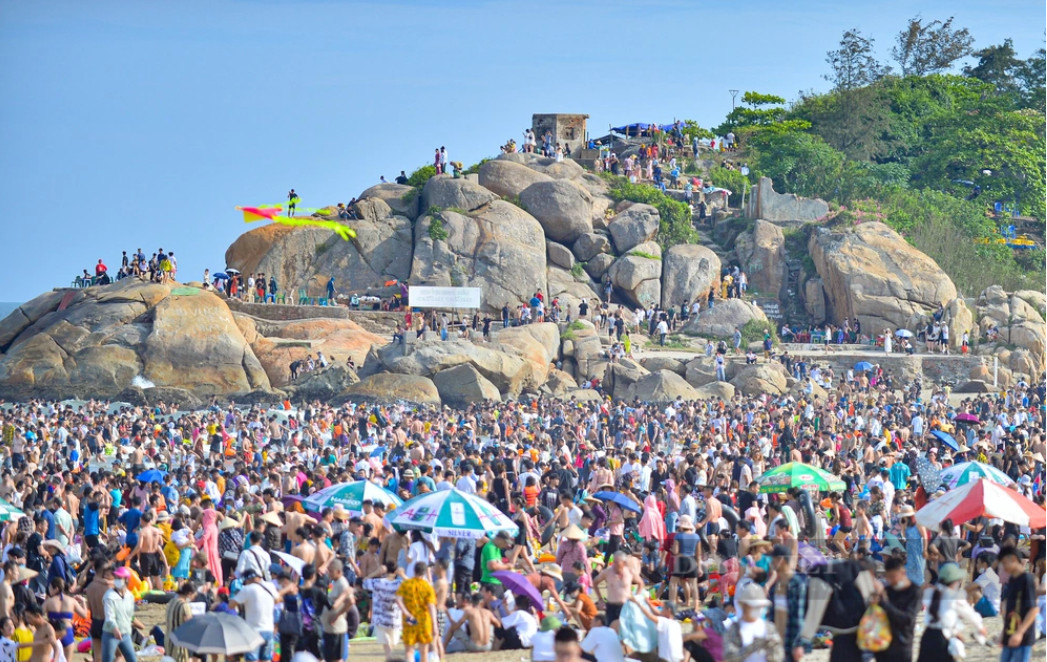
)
(982, 498)
(966, 418)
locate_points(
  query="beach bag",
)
(874, 630)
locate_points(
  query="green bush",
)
(675, 216)
(475, 168)
(437, 231)
(753, 331)
(649, 256)
(732, 180)
(420, 176)
(578, 271)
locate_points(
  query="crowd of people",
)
(643, 527)
(162, 267)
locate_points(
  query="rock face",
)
(464, 385)
(305, 258)
(762, 251)
(771, 206)
(571, 289)
(559, 255)
(103, 337)
(634, 226)
(688, 270)
(591, 244)
(445, 192)
(277, 344)
(581, 350)
(389, 387)
(598, 265)
(1020, 322)
(814, 299)
(507, 178)
(873, 274)
(497, 248)
(325, 384)
(721, 320)
(761, 378)
(717, 390)
(661, 386)
(563, 208)
(636, 279)
(403, 200)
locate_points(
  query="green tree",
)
(853, 63)
(930, 48)
(1033, 76)
(855, 121)
(761, 113)
(799, 163)
(1000, 67)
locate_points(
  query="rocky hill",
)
(522, 224)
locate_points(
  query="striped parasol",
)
(451, 513)
(965, 472)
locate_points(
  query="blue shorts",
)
(263, 653)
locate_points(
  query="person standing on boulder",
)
(292, 200)
(330, 289)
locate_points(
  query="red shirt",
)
(100, 269)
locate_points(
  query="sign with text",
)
(444, 297)
(770, 307)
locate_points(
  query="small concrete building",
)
(566, 128)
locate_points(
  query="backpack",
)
(307, 610)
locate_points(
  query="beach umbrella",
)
(230, 270)
(623, 501)
(810, 556)
(9, 512)
(930, 476)
(294, 562)
(797, 474)
(946, 439)
(964, 417)
(863, 366)
(152, 476)
(904, 333)
(351, 496)
(982, 498)
(451, 513)
(965, 472)
(518, 585)
(217, 634)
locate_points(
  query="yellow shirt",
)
(23, 635)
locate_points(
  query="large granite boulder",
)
(763, 378)
(304, 258)
(386, 387)
(716, 391)
(326, 384)
(655, 363)
(635, 225)
(278, 344)
(571, 289)
(762, 252)
(509, 372)
(464, 385)
(566, 169)
(508, 179)
(563, 208)
(872, 273)
(95, 342)
(446, 192)
(688, 271)
(723, 318)
(493, 248)
(619, 377)
(582, 347)
(765, 203)
(591, 244)
(598, 265)
(403, 200)
(559, 255)
(1018, 318)
(699, 372)
(661, 386)
(637, 277)
(814, 299)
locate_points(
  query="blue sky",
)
(142, 124)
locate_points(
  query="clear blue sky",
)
(142, 124)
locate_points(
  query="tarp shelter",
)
(639, 128)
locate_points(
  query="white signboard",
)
(444, 297)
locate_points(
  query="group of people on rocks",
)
(644, 527)
(162, 267)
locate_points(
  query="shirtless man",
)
(95, 593)
(478, 633)
(324, 554)
(304, 547)
(148, 551)
(374, 519)
(441, 587)
(620, 579)
(292, 522)
(390, 548)
(45, 644)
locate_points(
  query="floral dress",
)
(417, 594)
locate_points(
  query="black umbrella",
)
(217, 634)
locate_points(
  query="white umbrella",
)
(451, 513)
(296, 563)
(904, 333)
(982, 498)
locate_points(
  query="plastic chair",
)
(303, 298)
(281, 298)
(322, 301)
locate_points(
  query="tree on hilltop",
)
(853, 63)
(930, 48)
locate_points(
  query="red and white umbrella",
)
(982, 498)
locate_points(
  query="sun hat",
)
(228, 523)
(551, 569)
(752, 595)
(574, 532)
(123, 572)
(949, 573)
(271, 518)
(550, 623)
(685, 523)
(340, 513)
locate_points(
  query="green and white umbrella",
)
(966, 472)
(451, 513)
(351, 496)
(797, 474)
(9, 512)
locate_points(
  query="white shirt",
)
(258, 600)
(525, 623)
(467, 484)
(254, 558)
(543, 647)
(603, 644)
(750, 632)
(670, 640)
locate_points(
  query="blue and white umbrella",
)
(351, 496)
(965, 472)
(451, 513)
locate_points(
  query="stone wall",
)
(765, 203)
(287, 312)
